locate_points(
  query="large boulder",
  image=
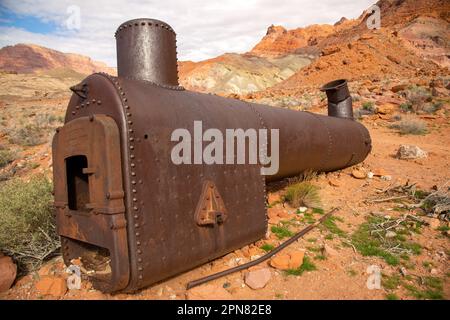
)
(8, 272)
(406, 152)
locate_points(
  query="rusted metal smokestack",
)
(339, 99)
(146, 50)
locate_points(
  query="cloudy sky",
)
(205, 28)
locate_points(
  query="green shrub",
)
(369, 106)
(35, 130)
(27, 226)
(417, 96)
(433, 107)
(281, 232)
(307, 265)
(6, 157)
(392, 296)
(303, 194)
(330, 224)
(370, 243)
(267, 247)
(29, 135)
(406, 107)
(410, 126)
(433, 289)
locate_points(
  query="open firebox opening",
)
(77, 183)
(93, 260)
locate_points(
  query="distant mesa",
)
(31, 58)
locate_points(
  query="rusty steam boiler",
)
(129, 212)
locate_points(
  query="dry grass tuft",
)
(303, 194)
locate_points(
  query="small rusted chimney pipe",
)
(339, 99)
(146, 50)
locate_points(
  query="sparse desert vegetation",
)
(27, 228)
(6, 156)
(410, 125)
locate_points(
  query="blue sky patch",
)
(28, 23)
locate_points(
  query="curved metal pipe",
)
(339, 99)
(221, 274)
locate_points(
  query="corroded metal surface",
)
(339, 99)
(89, 194)
(163, 203)
(146, 50)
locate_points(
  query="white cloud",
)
(205, 29)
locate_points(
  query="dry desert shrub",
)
(6, 156)
(410, 125)
(27, 225)
(35, 131)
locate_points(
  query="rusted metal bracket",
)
(210, 209)
(80, 90)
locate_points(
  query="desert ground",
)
(337, 265)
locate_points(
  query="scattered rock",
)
(390, 234)
(370, 175)
(403, 271)
(410, 152)
(208, 292)
(46, 270)
(296, 259)
(273, 197)
(8, 272)
(393, 59)
(377, 213)
(94, 295)
(328, 251)
(53, 286)
(439, 92)
(283, 214)
(330, 50)
(302, 209)
(76, 262)
(366, 36)
(274, 220)
(399, 87)
(432, 222)
(334, 182)
(386, 178)
(437, 83)
(389, 100)
(258, 279)
(287, 261)
(386, 108)
(359, 174)
(379, 172)
(272, 213)
(251, 252)
(434, 271)
(280, 262)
